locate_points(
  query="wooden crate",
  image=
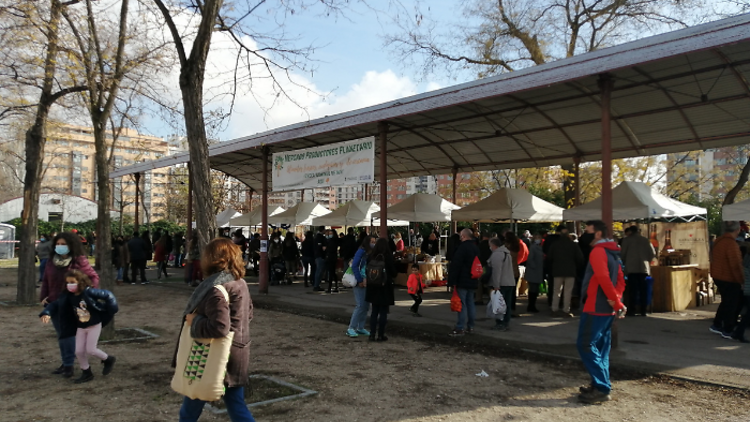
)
(674, 287)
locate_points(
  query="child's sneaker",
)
(363, 332)
(351, 333)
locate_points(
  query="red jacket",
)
(604, 280)
(415, 284)
(523, 252)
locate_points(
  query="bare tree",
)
(267, 55)
(515, 34)
(32, 21)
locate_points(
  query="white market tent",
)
(739, 211)
(253, 218)
(354, 214)
(421, 207)
(222, 219)
(633, 201)
(301, 214)
(509, 205)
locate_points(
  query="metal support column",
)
(605, 85)
(189, 231)
(454, 172)
(137, 196)
(264, 267)
(383, 140)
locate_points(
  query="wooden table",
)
(675, 287)
(430, 272)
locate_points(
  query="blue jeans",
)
(320, 266)
(67, 345)
(467, 309)
(359, 316)
(234, 399)
(507, 292)
(42, 265)
(120, 272)
(594, 343)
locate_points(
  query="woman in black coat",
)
(380, 295)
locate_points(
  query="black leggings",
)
(417, 300)
(382, 311)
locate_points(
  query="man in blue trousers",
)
(601, 291)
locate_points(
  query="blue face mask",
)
(62, 249)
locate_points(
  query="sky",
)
(353, 69)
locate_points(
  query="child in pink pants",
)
(81, 300)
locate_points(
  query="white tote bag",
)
(202, 363)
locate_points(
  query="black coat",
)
(484, 252)
(138, 249)
(320, 242)
(308, 247)
(349, 247)
(459, 270)
(332, 249)
(383, 295)
(431, 247)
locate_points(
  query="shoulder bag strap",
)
(223, 291)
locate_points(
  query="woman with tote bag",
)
(219, 311)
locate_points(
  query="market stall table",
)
(675, 287)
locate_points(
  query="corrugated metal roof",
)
(685, 90)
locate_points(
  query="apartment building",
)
(713, 172)
(71, 169)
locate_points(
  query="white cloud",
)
(259, 106)
(374, 88)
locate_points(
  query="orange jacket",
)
(726, 260)
(415, 283)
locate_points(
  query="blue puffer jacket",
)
(359, 262)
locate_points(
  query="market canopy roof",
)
(253, 218)
(222, 219)
(509, 204)
(421, 207)
(301, 214)
(679, 91)
(354, 214)
(739, 211)
(634, 201)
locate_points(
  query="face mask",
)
(276, 240)
(537, 242)
(62, 249)
(72, 287)
(330, 236)
(42, 239)
(372, 245)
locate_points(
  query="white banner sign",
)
(345, 163)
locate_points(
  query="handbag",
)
(202, 364)
(455, 301)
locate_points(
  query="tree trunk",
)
(741, 182)
(36, 138)
(104, 235)
(191, 84)
(27, 273)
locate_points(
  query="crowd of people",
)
(587, 273)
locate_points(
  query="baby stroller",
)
(278, 272)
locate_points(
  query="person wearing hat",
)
(565, 258)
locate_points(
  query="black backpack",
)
(376, 271)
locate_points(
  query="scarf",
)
(62, 262)
(205, 287)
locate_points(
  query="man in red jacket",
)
(601, 291)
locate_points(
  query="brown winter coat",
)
(726, 260)
(215, 319)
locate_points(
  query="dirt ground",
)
(400, 380)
